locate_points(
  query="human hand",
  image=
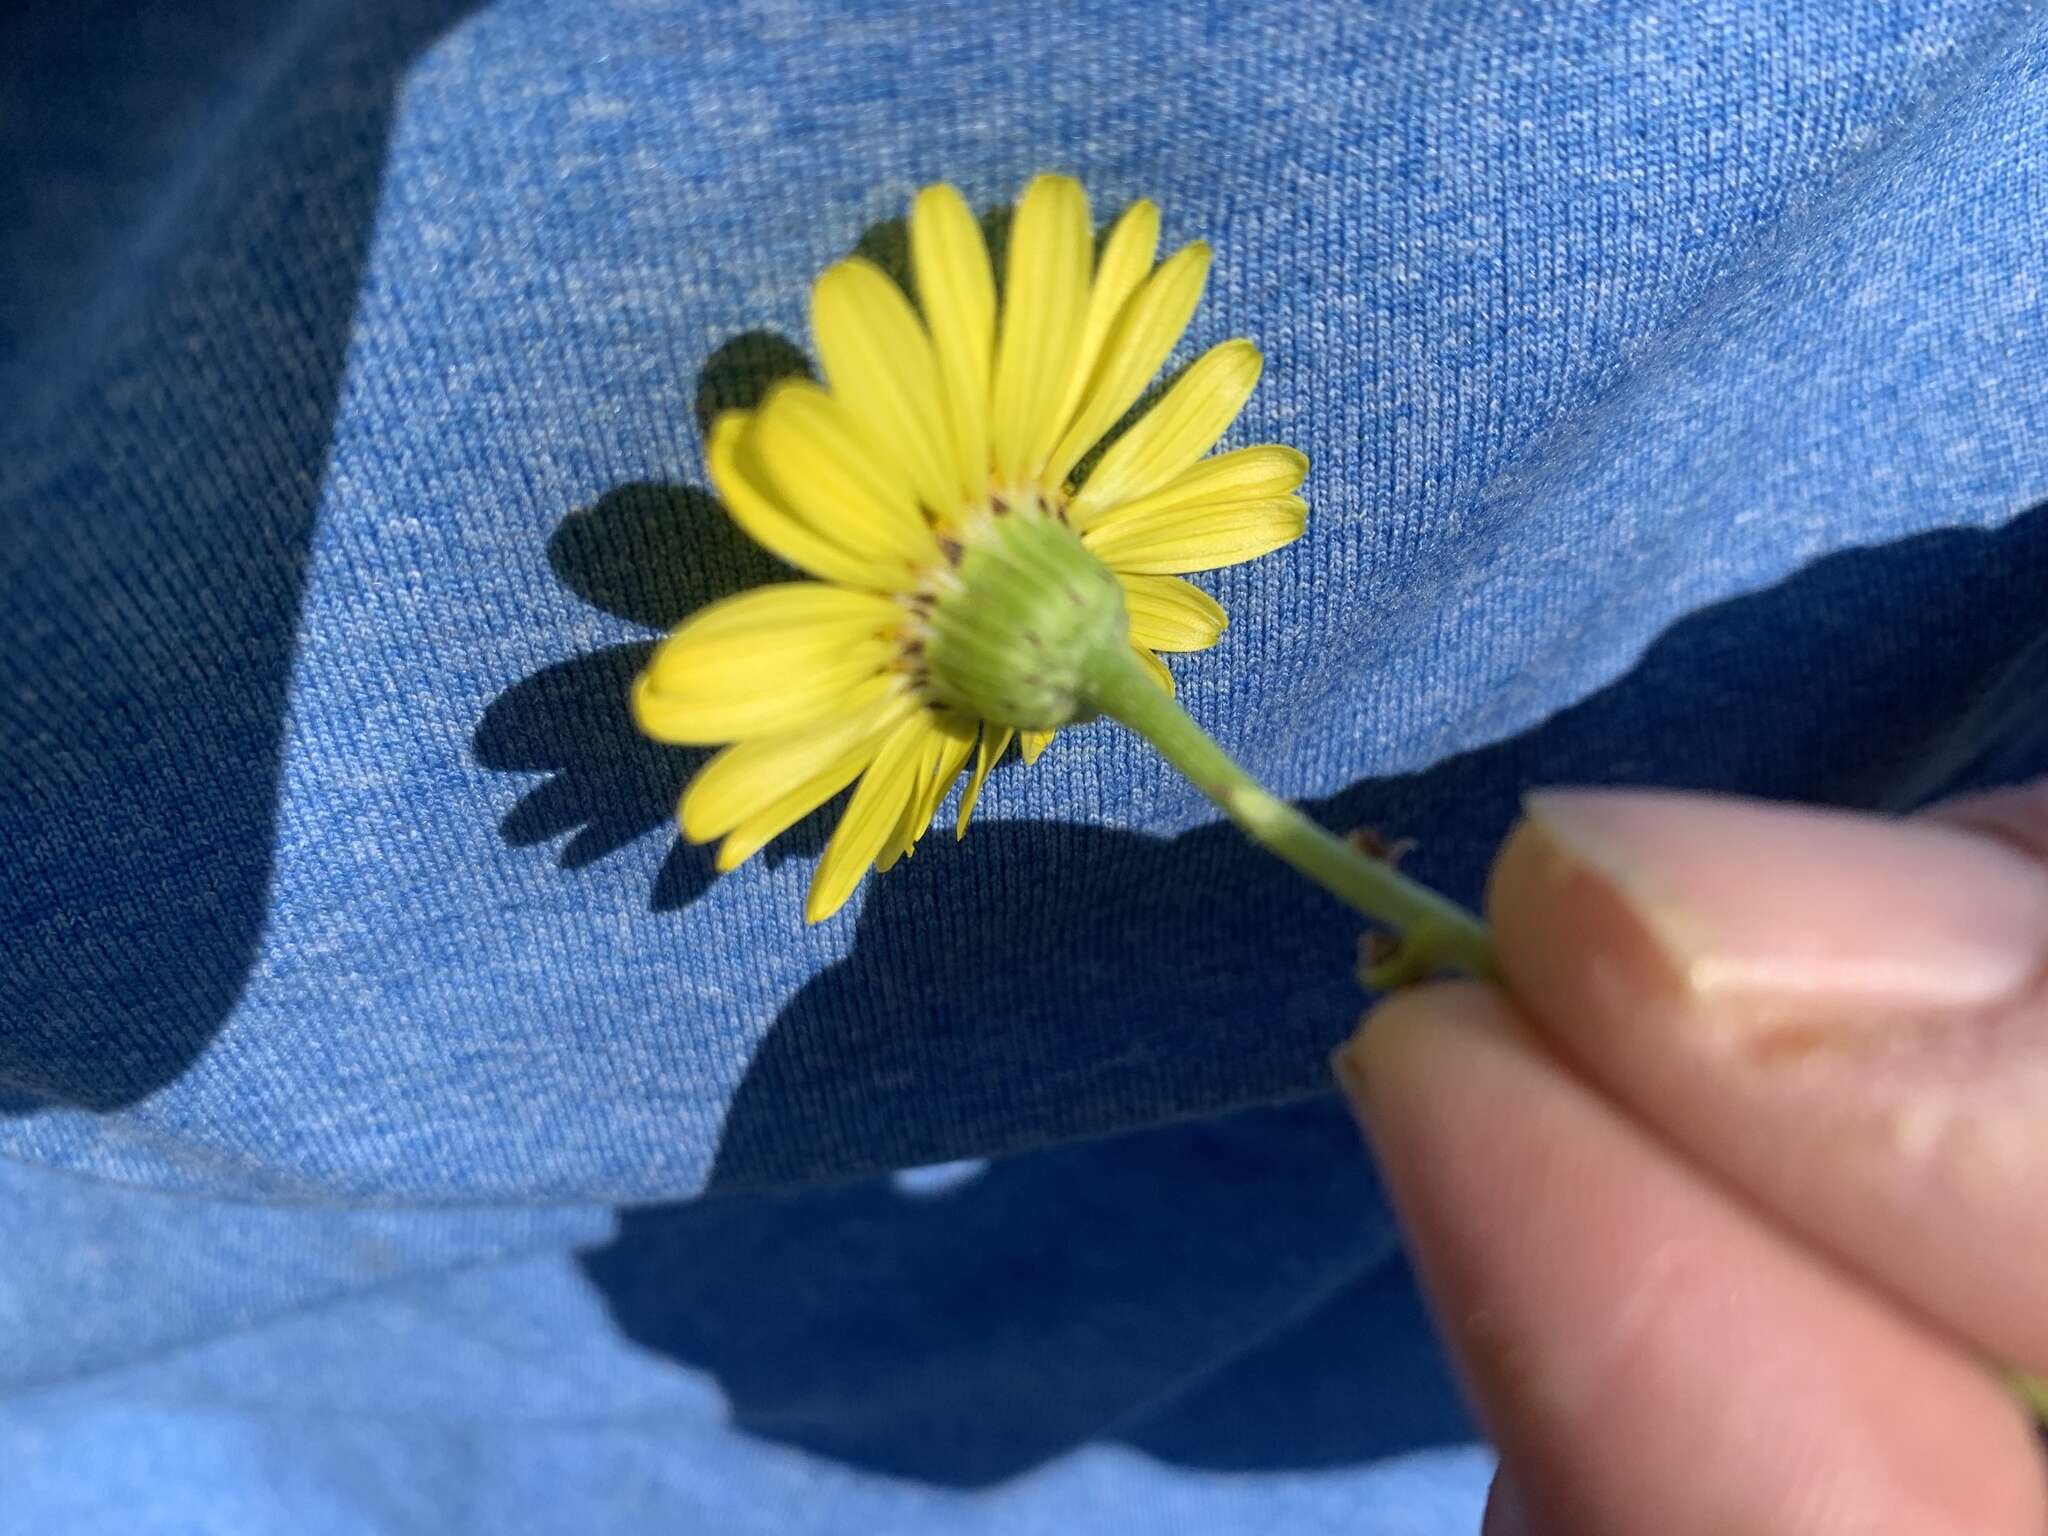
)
(1727, 1204)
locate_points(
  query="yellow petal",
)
(1146, 333)
(1127, 255)
(995, 742)
(1045, 300)
(752, 833)
(1168, 614)
(1259, 473)
(1174, 543)
(786, 810)
(1032, 744)
(762, 663)
(908, 826)
(741, 782)
(1156, 668)
(957, 287)
(821, 468)
(786, 604)
(959, 733)
(754, 701)
(943, 757)
(1182, 427)
(749, 495)
(872, 813)
(794, 621)
(880, 365)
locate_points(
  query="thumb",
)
(1845, 1017)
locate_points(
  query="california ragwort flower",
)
(934, 439)
(983, 567)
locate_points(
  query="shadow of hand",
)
(1075, 1290)
(937, 1334)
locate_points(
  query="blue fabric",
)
(403, 1133)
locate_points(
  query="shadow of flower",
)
(652, 554)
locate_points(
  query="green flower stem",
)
(1437, 935)
(2032, 1391)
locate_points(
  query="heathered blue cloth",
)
(403, 1133)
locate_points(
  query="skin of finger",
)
(1914, 1146)
(2017, 816)
(1646, 1353)
(1504, 1515)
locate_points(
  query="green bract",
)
(1020, 623)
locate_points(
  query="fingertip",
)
(1560, 907)
(1527, 866)
(1840, 1014)
(1766, 915)
(1400, 1050)
(1636, 1341)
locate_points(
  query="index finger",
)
(1844, 1017)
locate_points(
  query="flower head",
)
(963, 566)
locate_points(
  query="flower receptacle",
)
(1022, 622)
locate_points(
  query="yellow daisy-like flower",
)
(940, 447)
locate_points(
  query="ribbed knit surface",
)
(1675, 379)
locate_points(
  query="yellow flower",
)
(929, 434)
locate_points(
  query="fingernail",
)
(1386, 1036)
(1347, 1062)
(1759, 904)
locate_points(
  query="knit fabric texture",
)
(400, 1131)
